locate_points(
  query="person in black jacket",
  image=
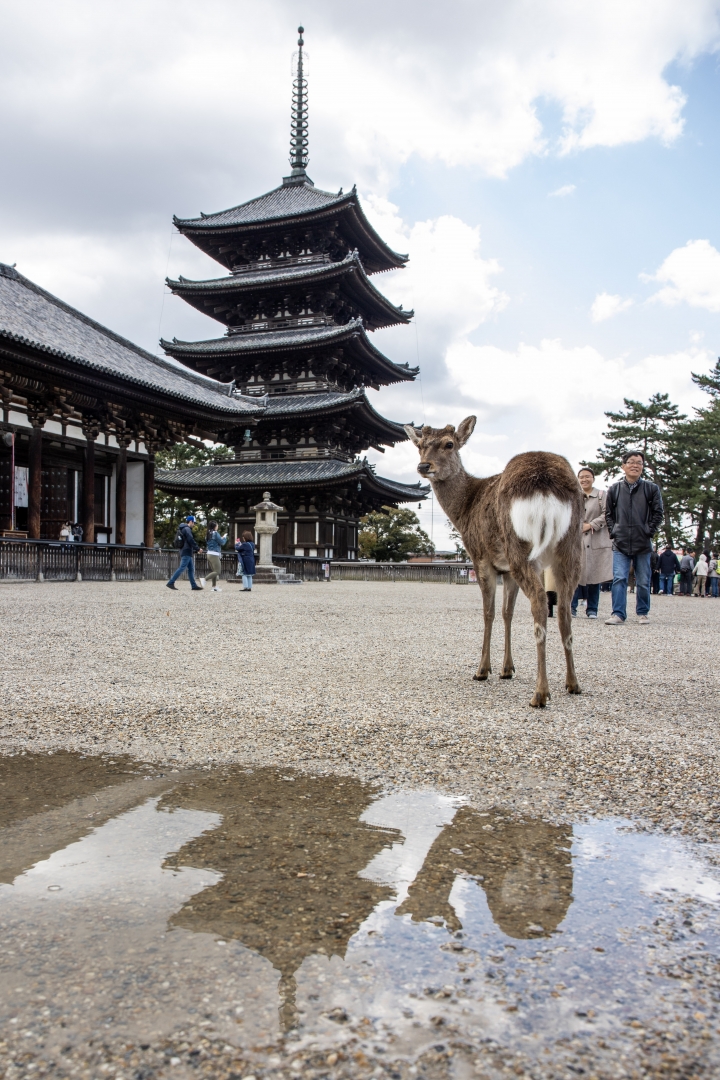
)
(187, 551)
(633, 512)
(669, 566)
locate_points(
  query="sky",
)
(550, 167)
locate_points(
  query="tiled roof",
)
(282, 202)
(323, 401)
(31, 316)
(271, 474)
(250, 281)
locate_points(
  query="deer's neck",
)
(456, 496)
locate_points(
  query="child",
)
(246, 560)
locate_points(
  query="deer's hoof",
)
(481, 676)
(573, 688)
(538, 700)
(507, 674)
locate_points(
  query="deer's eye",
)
(449, 445)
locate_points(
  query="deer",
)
(516, 523)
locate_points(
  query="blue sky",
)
(540, 162)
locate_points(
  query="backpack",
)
(179, 538)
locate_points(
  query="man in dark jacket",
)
(187, 551)
(634, 513)
(669, 566)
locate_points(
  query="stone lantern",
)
(266, 526)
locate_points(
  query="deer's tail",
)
(541, 520)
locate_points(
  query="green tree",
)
(650, 428)
(694, 485)
(170, 510)
(391, 535)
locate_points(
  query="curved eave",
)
(229, 407)
(204, 228)
(244, 347)
(354, 403)
(350, 269)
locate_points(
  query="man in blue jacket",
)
(187, 551)
(669, 566)
(634, 513)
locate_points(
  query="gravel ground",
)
(373, 679)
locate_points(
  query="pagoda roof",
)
(327, 403)
(292, 340)
(32, 317)
(294, 204)
(378, 310)
(324, 472)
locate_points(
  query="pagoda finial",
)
(299, 122)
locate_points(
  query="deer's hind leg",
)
(510, 591)
(532, 585)
(487, 580)
(567, 574)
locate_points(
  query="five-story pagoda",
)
(298, 303)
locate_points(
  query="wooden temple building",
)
(83, 413)
(297, 305)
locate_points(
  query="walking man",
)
(634, 512)
(187, 551)
(669, 566)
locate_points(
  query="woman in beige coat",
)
(597, 558)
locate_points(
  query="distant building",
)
(298, 303)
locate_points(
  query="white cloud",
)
(562, 192)
(693, 276)
(553, 397)
(606, 305)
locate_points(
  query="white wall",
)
(135, 527)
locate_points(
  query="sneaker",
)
(202, 582)
(574, 614)
(170, 585)
(614, 620)
(643, 620)
(196, 588)
(592, 615)
(215, 589)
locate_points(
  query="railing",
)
(309, 569)
(50, 560)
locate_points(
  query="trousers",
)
(621, 573)
(186, 563)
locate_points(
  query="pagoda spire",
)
(299, 120)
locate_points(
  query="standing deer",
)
(517, 523)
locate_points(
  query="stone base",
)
(274, 575)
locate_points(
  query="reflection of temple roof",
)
(292, 205)
(525, 871)
(217, 296)
(290, 341)
(274, 830)
(273, 475)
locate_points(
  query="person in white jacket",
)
(700, 574)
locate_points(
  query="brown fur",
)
(480, 511)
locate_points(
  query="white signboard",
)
(21, 486)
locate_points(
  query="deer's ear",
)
(465, 429)
(412, 434)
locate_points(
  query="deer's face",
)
(438, 448)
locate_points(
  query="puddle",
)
(282, 916)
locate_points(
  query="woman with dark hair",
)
(246, 559)
(597, 564)
(214, 548)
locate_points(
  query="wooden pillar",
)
(34, 481)
(121, 496)
(88, 492)
(150, 502)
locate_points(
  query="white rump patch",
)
(541, 520)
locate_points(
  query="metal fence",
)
(43, 560)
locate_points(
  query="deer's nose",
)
(424, 467)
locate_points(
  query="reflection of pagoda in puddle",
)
(524, 868)
(290, 852)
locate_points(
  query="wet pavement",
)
(236, 922)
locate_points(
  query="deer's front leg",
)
(488, 585)
(510, 591)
